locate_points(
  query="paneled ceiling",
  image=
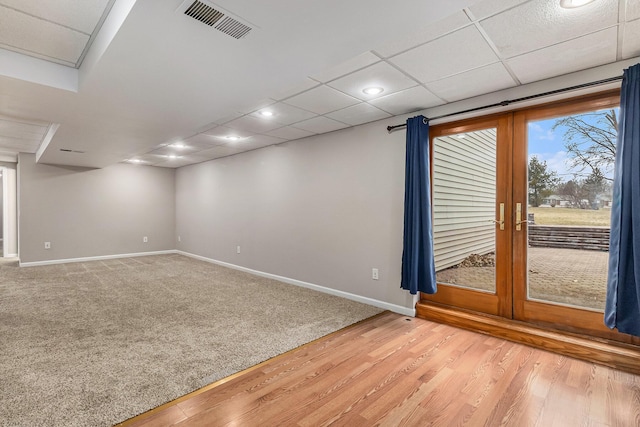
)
(59, 31)
(166, 90)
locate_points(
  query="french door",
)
(520, 221)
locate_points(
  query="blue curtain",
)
(418, 266)
(622, 309)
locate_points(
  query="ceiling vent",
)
(216, 17)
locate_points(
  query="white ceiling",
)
(59, 31)
(152, 77)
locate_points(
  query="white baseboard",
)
(11, 256)
(94, 258)
(405, 311)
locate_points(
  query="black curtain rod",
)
(511, 101)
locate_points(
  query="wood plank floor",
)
(393, 370)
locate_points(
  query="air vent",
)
(203, 13)
(68, 150)
(216, 17)
(233, 28)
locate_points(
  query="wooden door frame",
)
(498, 304)
(533, 311)
(541, 322)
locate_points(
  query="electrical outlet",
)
(238, 249)
(374, 273)
(145, 239)
(47, 245)
(179, 239)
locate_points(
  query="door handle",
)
(519, 220)
(501, 222)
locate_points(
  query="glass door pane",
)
(464, 209)
(570, 172)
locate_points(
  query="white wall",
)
(10, 210)
(93, 212)
(323, 210)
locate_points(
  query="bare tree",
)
(572, 191)
(590, 140)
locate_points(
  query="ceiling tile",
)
(289, 133)
(486, 8)
(359, 114)
(81, 15)
(228, 117)
(176, 163)
(22, 32)
(169, 150)
(631, 39)
(19, 129)
(220, 151)
(482, 80)
(578, 54)
(182, 161)
(224, 133)
(379, 75)
(320, 125)
(21, 136)
(407, 101)
(257, 105)
(306, 84)
(148, 159)
(262, 139)
(632, 10)
(259, 141)
(202, 140)
(19, 144)
(347, 67)
(541, 23)
(283, 114)
(190, 146)
(455, 53)
(426, 34)
(252, 124)
(322, 100)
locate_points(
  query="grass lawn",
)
(569, 216)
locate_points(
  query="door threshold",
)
(625, 357)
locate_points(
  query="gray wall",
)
(93, 212)
(324, 210)
(1, 206)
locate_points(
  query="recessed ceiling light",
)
(135, 161)
(178, 145)
(173, 156)
(373, 90)
(570, 4)
(232, 137)
(266, 113)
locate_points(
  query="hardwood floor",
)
(393, 370)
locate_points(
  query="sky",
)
(548, 145)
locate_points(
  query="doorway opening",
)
(521, 206)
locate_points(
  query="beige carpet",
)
(95, 343)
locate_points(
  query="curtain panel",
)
(622, 310)
(418, 265)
